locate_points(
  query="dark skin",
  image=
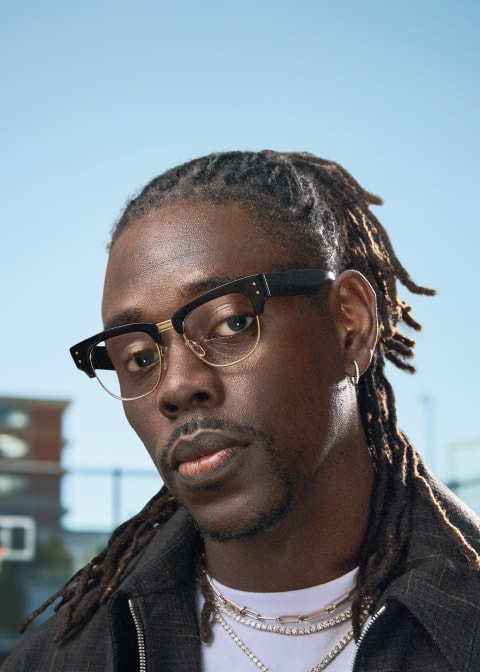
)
(272, 464)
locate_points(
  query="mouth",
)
(204, 453)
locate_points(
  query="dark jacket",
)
(428, 619)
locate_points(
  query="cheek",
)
(138, 414)
(302, 397)
(302, 373)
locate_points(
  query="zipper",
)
(374, 618)
(140, 638)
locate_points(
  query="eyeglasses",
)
(220, 327)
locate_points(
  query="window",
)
(13, 447)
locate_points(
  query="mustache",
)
(189, 427)
(214, 423)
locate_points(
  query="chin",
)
(244, 529)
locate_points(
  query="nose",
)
(186, 382)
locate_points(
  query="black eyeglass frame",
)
(257, 288)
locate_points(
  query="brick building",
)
(31, 444)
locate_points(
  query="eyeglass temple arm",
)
(292, 283)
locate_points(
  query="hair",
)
(322, 211)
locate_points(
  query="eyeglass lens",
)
(221, 332)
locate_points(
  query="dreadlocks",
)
(319, 209)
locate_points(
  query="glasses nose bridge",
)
(167, 325)
(164, 326)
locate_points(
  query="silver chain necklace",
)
(244, 615)
(283, 629)
(224, 603)
(337, 649)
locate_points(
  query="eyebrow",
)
(199, 287)
(190, 291)
(129, 316)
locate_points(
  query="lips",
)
(204, 452)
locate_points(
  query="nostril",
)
(171, 408)
(202, 396)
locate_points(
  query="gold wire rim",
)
(161, 365)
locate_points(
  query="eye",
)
(142, 360)
(233, 325)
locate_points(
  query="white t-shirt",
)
(281, 652)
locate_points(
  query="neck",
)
(317, 541)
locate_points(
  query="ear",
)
(354, 305)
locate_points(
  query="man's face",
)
(248, 446)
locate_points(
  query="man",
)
(250, 302)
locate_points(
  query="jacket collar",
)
(168, 559)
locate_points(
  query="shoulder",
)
(430, 537)
(40, 651)
(94, 647)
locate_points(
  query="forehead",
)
(173, 254)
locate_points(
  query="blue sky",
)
(98, 97)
